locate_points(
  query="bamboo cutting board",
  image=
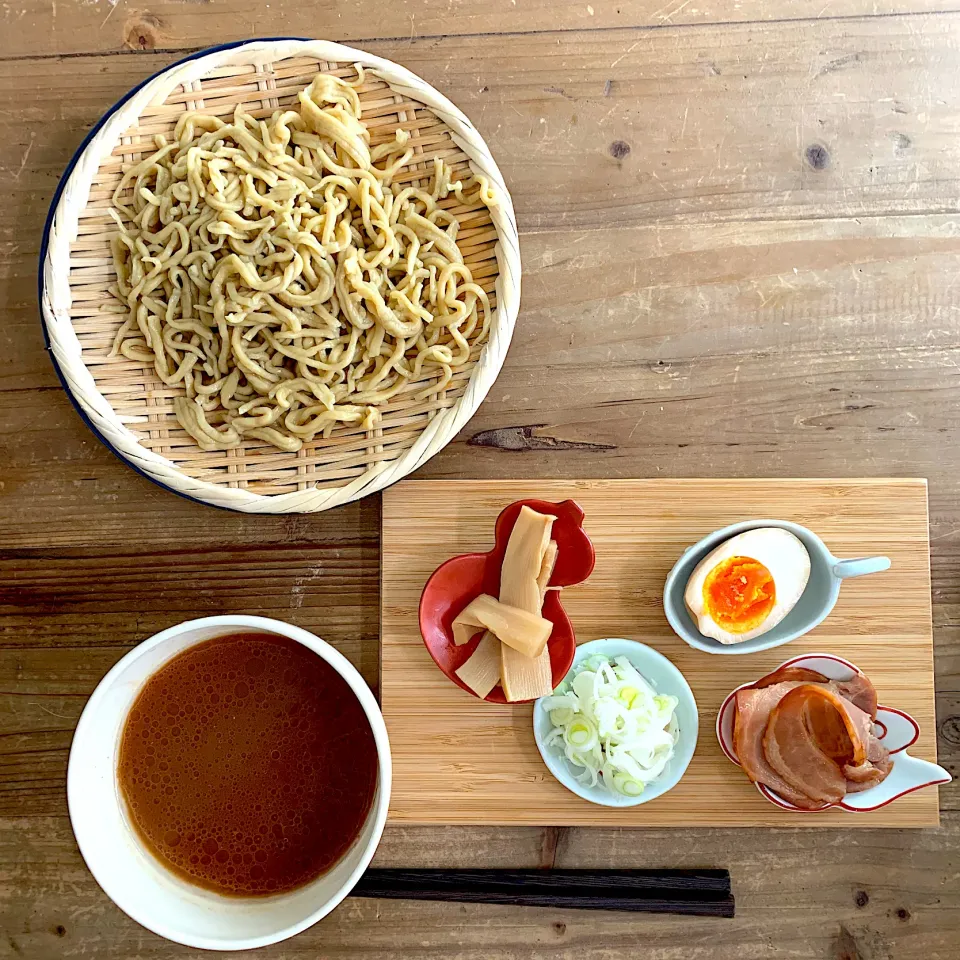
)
(460, 760)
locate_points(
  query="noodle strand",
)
(272, 270)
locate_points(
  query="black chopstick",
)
(690, 892)
(713, 907)
(603, 882)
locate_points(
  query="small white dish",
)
(665, 678)
(827, 573)
(894, 728)
(132, 877)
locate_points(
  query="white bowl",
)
(132, 877)
(665, 678)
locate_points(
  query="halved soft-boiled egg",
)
(748, 584)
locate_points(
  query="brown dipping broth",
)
(248, 765)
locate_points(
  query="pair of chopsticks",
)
(703, 893)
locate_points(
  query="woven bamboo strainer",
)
(132, 409)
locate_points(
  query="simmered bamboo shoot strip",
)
(522, 630)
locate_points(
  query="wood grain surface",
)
(740, 260)
(458, 759)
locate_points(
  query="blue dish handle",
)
(859, 567)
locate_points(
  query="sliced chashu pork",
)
(784, 674)
(812, 733)
(874, 771)
(859, 691)
(835, 760)
(750, 723)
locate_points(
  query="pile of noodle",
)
(274, 270)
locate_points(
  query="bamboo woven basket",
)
(125, 402)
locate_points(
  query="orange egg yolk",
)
(739, 594)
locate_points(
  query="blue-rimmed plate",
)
(131, 409)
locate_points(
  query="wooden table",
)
(740, 242)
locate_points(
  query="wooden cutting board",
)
(460, 760)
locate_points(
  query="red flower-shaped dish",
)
(461, 579)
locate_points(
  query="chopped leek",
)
(609, 721)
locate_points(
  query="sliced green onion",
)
(610, 723)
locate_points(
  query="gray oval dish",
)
(818, 599)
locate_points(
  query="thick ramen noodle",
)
(274, 273)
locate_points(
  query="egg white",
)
(779, 551)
